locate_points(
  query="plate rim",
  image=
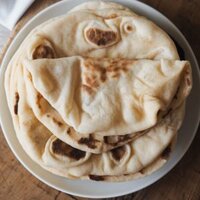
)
(64, 2)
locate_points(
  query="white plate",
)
(100, 189)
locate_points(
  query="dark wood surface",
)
(182, 183)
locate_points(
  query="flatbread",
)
(95, 142)
(84, 91)
(51, 153)
(98, 36)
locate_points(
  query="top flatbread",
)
(124, 95)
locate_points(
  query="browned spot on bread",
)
(115, 61)
(113, 68)
(118, 152)
(124, 69)
(38, 100)
(29, 76)
(118, 66)
(89, 64)
(16, 103)
(95, 74)
(142, 171)
(89, 141)
(103, 76)
(96, 178)
(61, 148)
(87, 89)
(101, 37)
(69, 130)
(129, 28)
(93, 66)
(115, 140)
(116, 75)
(57, 122)
(124, 65)
(92, 82)
(93, 78)
(43, 51)
(165, 154)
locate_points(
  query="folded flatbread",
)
(124, 95)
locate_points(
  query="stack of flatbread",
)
(98, 93)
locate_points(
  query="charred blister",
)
(16, 103)
(95, 74)
(90, 141)
(57, 122)
(118, 153)
(69, 131)
(39, 98)
(43, 51)
(63, 149)
(96, 177)
(101, 37)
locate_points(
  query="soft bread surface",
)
(98, 93)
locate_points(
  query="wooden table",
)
(182, 183)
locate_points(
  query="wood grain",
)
(182, 183)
